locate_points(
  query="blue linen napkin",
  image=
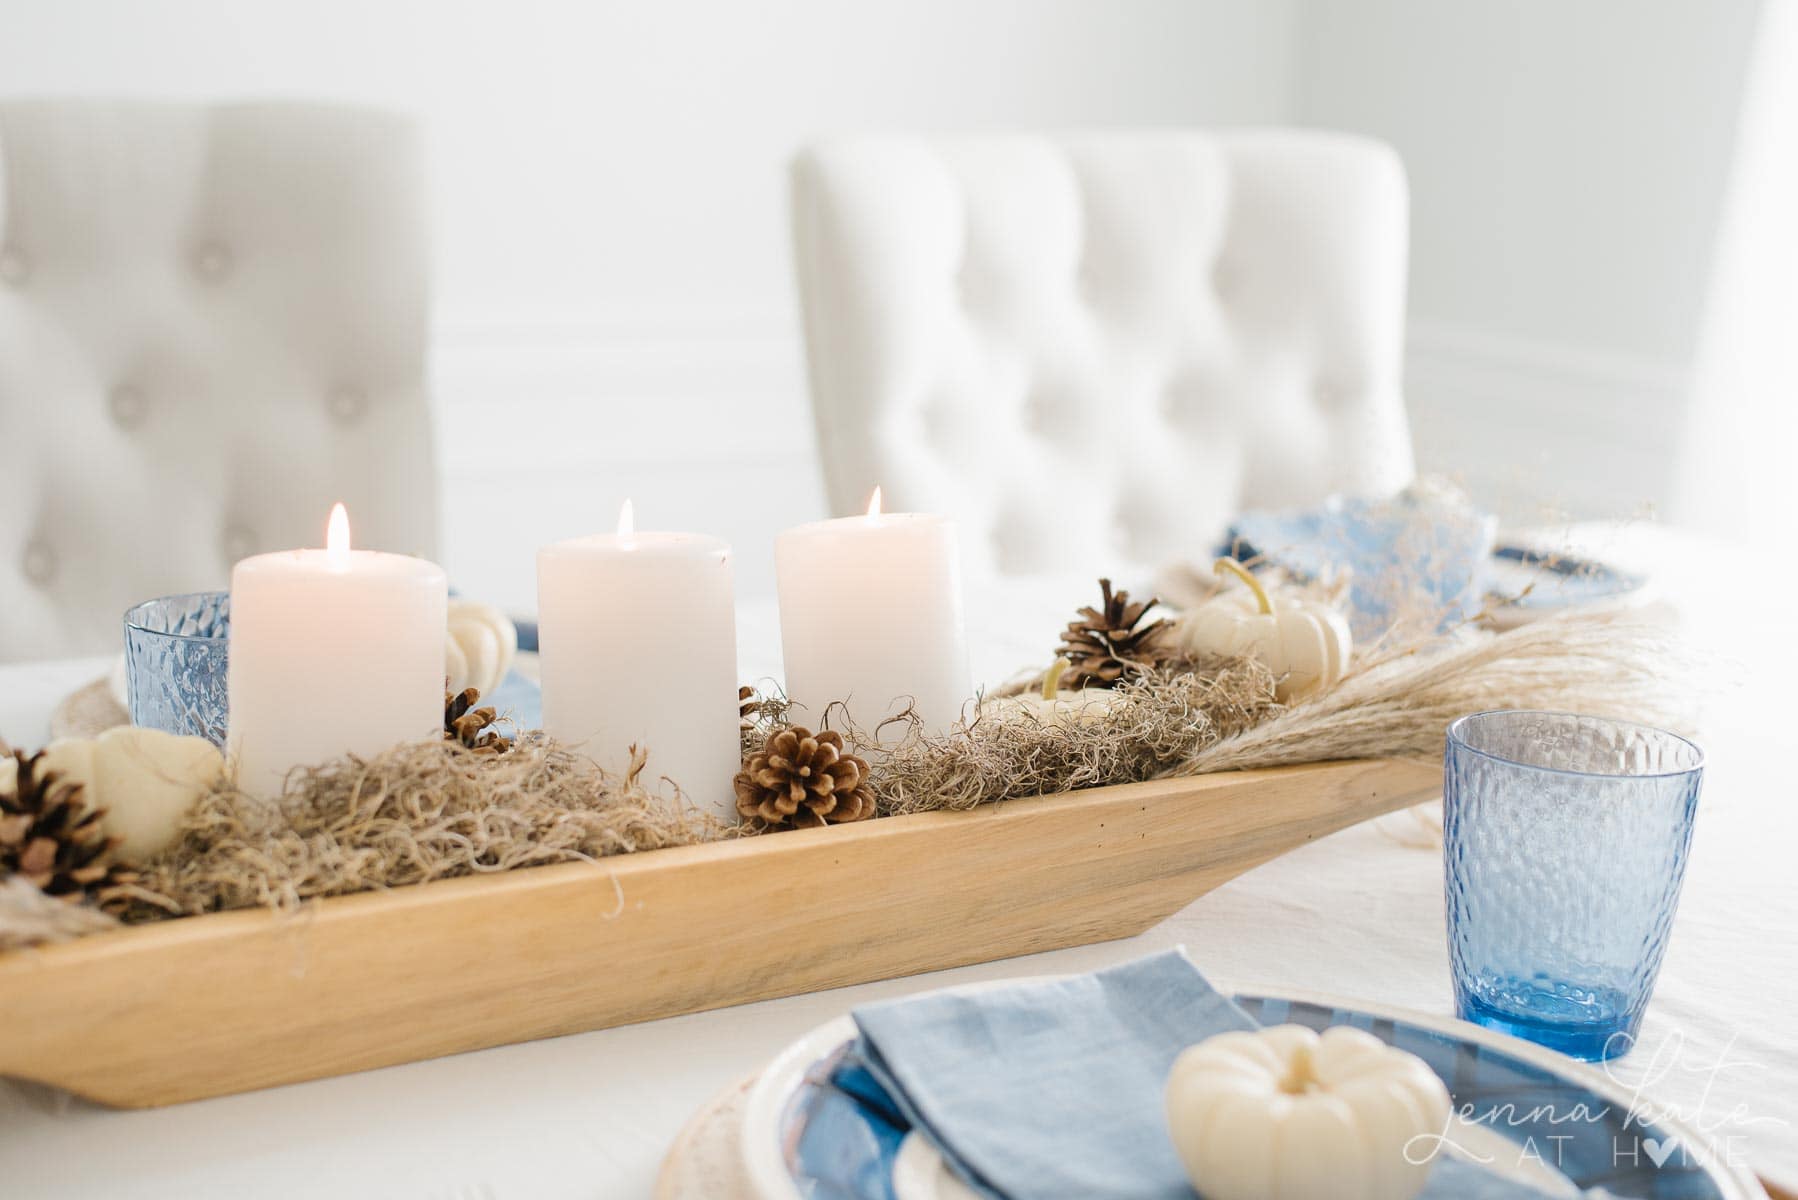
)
(1047, 1090)
(1423, 551)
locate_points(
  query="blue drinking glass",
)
(175, 654)
(1565, 841)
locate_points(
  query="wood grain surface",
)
(235, 1001)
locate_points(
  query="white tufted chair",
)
(1093, 350)
(212, 326)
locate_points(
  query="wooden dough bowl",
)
(207, 1006)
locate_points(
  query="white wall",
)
(615, 305)
(1568, 160)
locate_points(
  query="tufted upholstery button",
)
(15, 268)
(1225, 279)
(127, 405)
(1088, 284)
(39, 562)
(347, 404)
(1003, 543)
(213, 261)
(237, 543)
(1194, 399)
(941, 421)
(1035, 414)
(974, 292)
(1336, 393)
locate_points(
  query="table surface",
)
(1359, 914)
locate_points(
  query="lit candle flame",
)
(337, 537)
(627, 519)
(874, 503)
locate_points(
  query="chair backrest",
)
(213, 324)
(1094, 349)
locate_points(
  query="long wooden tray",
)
(226, 1003)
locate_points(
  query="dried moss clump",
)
(1149, 726)
(431, 810)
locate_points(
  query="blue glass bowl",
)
(176, 648)
(1565, 841)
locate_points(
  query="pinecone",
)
(749, 705)
(52, 838)
(1104, 645)
(804, 780)
(464, 723)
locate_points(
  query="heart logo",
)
(1659, 1152)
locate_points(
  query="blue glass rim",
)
(190, 599)
(1457, 740)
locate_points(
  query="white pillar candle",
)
(638, 642)
(870, 615)
(333, 652)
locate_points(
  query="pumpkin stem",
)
(1301, 1074)
(1229, 566)
(1052, 680)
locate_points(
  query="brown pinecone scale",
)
(804, 779)
(52, 837)
(468, 725)
(1104, 644)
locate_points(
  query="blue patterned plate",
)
(1525, 1112)
(1528, 578)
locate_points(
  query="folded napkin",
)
(1425, 551)
(1046, 1090)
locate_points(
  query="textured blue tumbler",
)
(1565, 842)
(176, 650)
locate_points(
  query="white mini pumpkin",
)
(1051, 704)
(1286, 1114)
(145, 779)
(1305, 644)
(481, 646)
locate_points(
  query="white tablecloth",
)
(1358, 914)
